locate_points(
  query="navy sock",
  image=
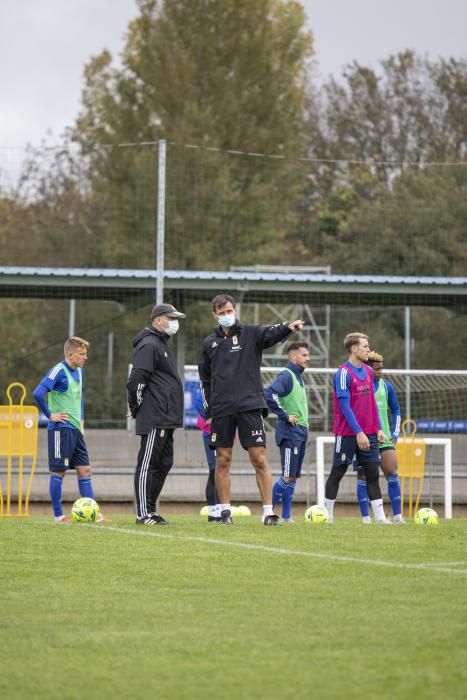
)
(55, 490)
(278, 490)
(362, 496)
(85, 487)
(394, 491)
(287, 499)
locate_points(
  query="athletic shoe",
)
(399, 521)
(62, 520)
(383, 522)
(366, 520)
(103, 519)
(330, 520)
(159, 519)
(152, 519)
(214, 518)
(290, 521)
(226, 518)
(271, 520)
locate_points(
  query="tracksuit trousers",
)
(155, 460)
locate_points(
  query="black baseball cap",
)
(165, 310)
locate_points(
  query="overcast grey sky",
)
(44, 45)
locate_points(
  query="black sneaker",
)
(214, 518)
(152, 519)
(159, 520)
(226, 518)
(271, 520)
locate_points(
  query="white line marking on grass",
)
(446, 563)
(280, 550)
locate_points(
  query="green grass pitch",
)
(196, 610)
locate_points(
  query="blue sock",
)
(85, 487)
(278, 491)
(362, 496)
(394, 491)
(55, 490)
(287, 499)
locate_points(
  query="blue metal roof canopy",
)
(138, 286)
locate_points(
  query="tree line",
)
(365, 172)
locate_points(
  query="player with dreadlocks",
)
(387, 402)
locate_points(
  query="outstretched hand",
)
(296, 325)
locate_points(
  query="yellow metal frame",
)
(411, 453)
(21, 425)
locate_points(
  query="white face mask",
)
(172, 328)
(226, 321)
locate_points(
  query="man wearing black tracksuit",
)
(156, 400)
(233, 396)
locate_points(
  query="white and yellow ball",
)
(316, 515)
(85, 510)
(426, 516)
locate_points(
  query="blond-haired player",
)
(60, 397)
(356, 425)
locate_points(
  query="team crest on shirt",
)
(235, 345)
(214, 345)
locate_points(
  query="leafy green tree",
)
(417, 228)
(392, 118)
(224, 75)
(450, 79)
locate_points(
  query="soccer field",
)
(196, 610)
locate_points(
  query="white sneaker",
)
(366, 520)
(398, 520)
(102, 519)
(61, 520)
(291, 521)
(383, 522)
(330, 521)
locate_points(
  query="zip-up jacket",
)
(155, 390)
(229, 367)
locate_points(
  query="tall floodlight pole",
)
(161, 173)
(408, 342)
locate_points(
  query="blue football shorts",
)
(346, 451)
(292, 454)
(67, 449)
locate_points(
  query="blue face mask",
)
(226, 321)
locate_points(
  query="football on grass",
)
(316, 515)
(85, 510)
(426, 516)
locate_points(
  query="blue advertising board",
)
(441, 426)
(191, 387)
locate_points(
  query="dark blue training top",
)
(282, 386)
